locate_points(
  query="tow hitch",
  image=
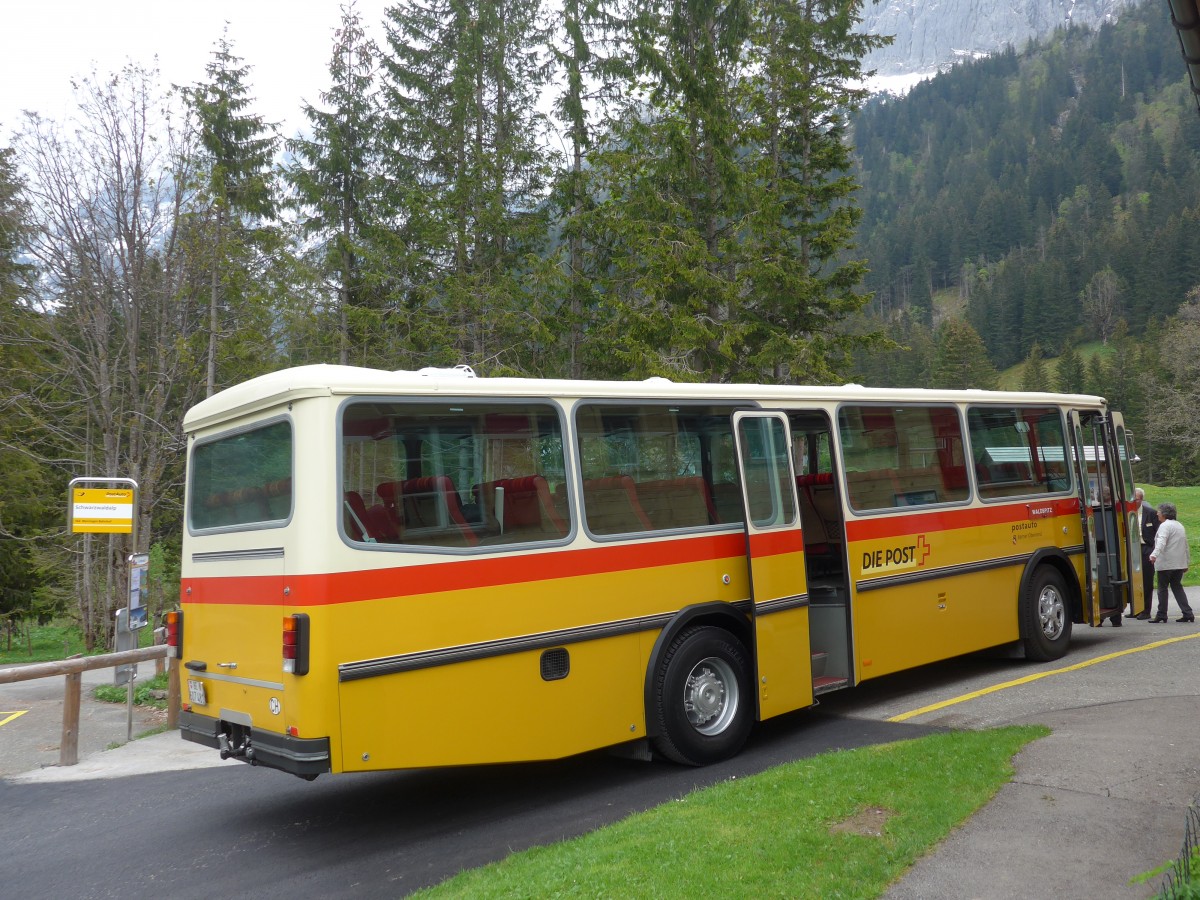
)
(236, 745)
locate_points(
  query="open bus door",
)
(1131, 536)
(775, 557)
(1091, 562)
(1103, 506)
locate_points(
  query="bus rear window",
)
(243, 479)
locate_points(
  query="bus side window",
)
(656, 467)
(901, 456)
(459, 474)
(1018, 451)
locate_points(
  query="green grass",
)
(804, 829)
(55, 641)
(111, 693)
(49, 642)
(1010, 379)
(1187, 501)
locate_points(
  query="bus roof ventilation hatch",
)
(460, 371)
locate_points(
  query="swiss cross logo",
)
(923, 550)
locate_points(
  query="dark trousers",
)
(1147, 579)
(1173, 579)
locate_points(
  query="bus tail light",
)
(295, 644)
(174, 633)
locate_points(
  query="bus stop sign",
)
(102, 510)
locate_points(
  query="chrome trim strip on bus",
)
(234, 679)
(227, 555)
(427, 659)
(781, 604)
(942, 572)
(948, 571)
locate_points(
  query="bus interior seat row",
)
(523, 503)
(613, 506)
(429, 509)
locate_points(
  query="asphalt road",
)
(238, 831)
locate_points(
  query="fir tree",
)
(469, 172)
(800, 272)
(1035, 377)
(1069, 373)
(1095, 375)
(336, 180)
(669, 175)
(27, 484)
(960, 360)
(236, 192)
(593, 72)
(727, 193)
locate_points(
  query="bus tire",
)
(703, 697)
(1046, 613)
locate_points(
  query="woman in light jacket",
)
(1171, 559)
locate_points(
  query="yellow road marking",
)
(1028, 678)
(11, 715)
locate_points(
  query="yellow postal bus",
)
(386, 570)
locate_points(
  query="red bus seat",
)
(612, 506)
(683, 502)
(417, 503)
(528, 504)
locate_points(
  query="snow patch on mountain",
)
(932, 35)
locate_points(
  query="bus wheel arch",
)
(703, 697)
(1048, 603)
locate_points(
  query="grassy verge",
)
(111, 693)
(839, 825)
(1187, 501)
(56, 641)
(45, 643)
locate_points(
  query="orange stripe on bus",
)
(954, 519)
(777, 543)
(460, 574)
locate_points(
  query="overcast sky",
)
(46, 43)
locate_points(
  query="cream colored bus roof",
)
(287, 385)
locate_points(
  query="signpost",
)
(101, 510)
(112, 509)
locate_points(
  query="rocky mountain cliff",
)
(931, 35)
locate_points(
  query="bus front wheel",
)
(703, 697)
(1046, 611)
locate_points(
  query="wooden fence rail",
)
(73, 669)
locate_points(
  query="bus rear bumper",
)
(305, 757)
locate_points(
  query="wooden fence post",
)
(68, 749)
(73, 669)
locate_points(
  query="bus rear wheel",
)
(1046, 614)
(703, 697)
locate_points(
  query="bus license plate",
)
(196, 692)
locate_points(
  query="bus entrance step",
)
(827, 683)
